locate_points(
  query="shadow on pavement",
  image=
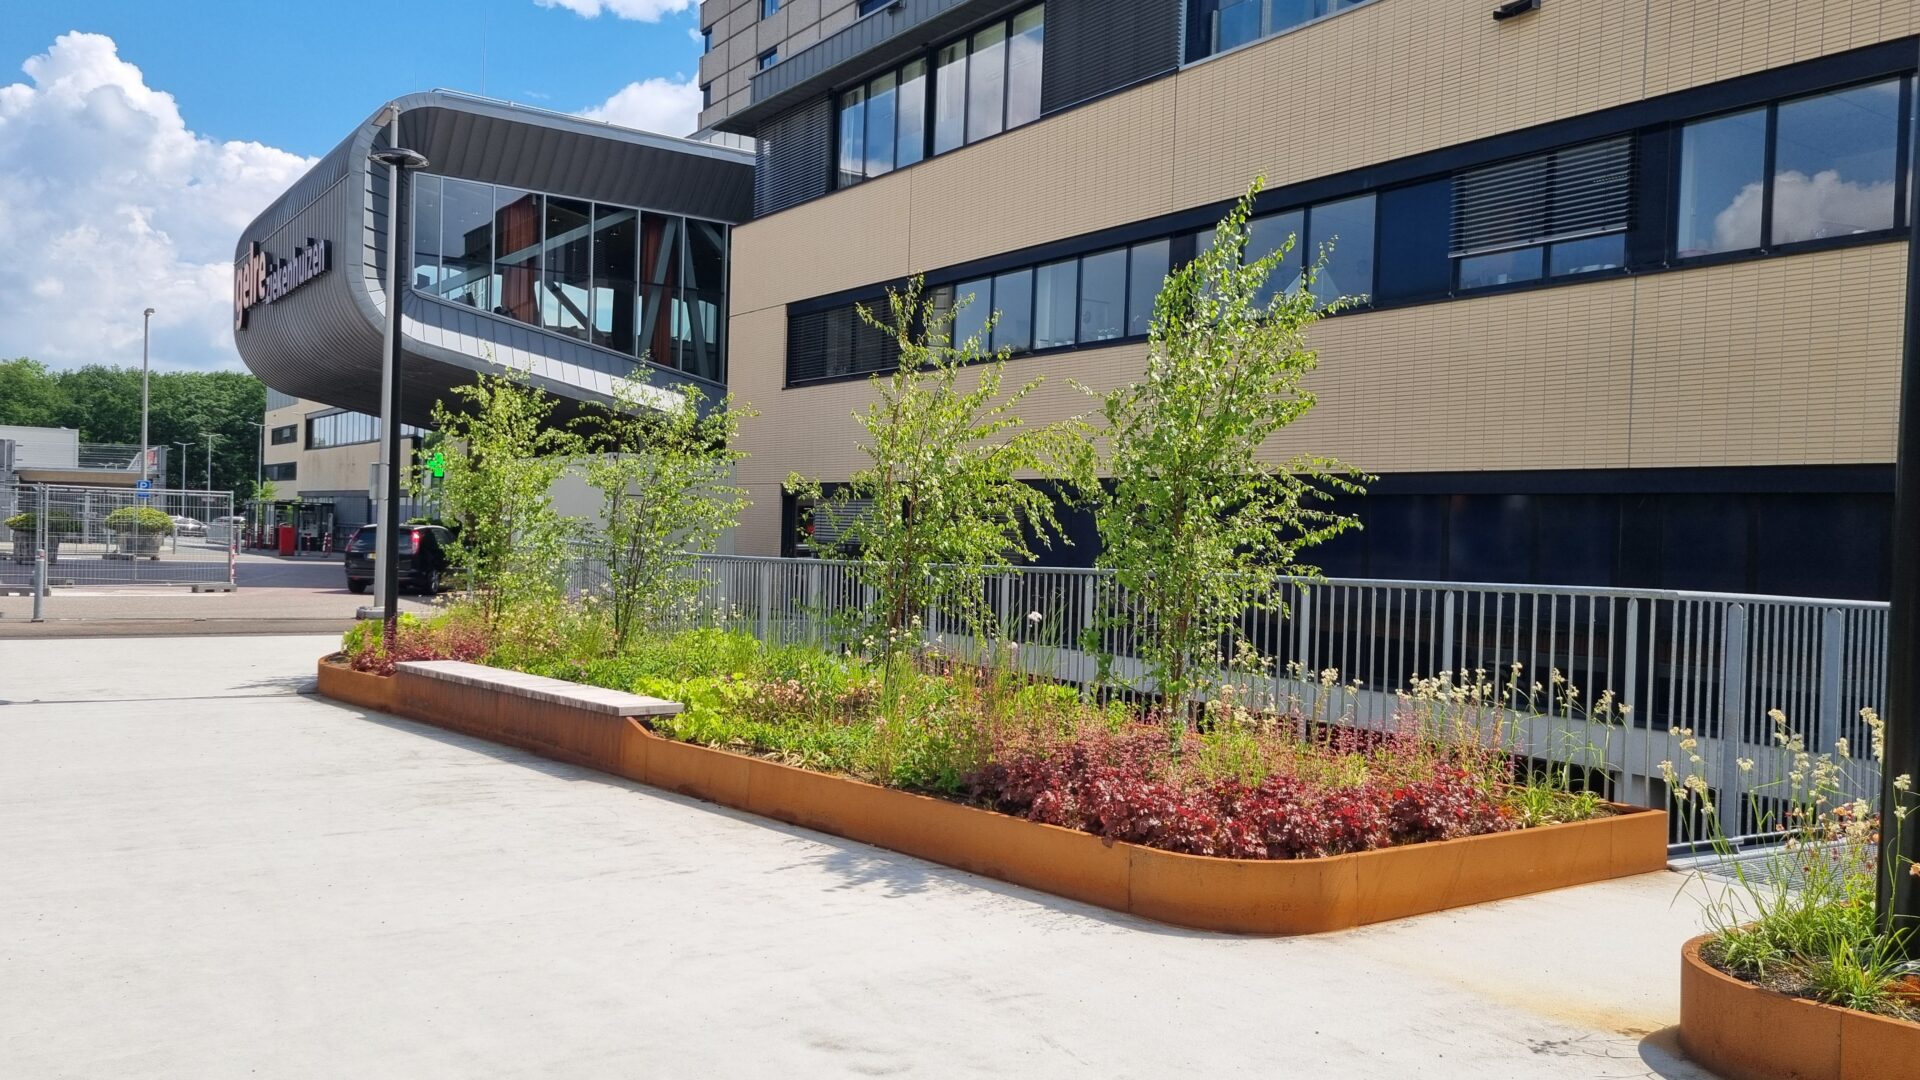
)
(855, 863)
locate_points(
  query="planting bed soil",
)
(607, 731)
(1743, 1031)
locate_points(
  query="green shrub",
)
(59, 522)
(138, 519)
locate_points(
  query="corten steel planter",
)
(1248, 896)
(1747, 1032)
(341, 683)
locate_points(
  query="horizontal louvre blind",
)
(833, 520)
(836, 342)
(1581, 190)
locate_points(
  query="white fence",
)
(1713, 664)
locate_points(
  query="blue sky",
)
(236, 68)
(139, 137)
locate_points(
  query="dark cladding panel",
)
(795, 151)
(1095, 47)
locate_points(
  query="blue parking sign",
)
(143, 489)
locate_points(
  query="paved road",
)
(276, 596)
(205, 873)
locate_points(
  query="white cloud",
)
(1805, 208)
(112, 205)
(662, 105)
(642, 10)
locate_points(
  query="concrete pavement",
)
(206, 873)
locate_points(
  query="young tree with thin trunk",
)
(664, 468)
(502, 456)
(1197, 526)
(945, 499)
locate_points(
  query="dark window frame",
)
(1903, 165)
(684, 295)
(1199, 47)
(284, 434)
(930, 56)
(1649, 239)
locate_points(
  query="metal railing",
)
(73, 538)
(1705, 667)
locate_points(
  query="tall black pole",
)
(1899, 890)
(400, 162)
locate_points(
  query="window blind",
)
(1584, 190)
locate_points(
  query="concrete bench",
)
(593, 699)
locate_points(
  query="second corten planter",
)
(1747, 1032)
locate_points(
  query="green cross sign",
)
(437, 465)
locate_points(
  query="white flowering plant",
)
(1801, 919)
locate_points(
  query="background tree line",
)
(103, 403)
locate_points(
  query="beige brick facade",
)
(1789, 360)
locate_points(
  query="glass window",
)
(1587, 256)
(910, 127)
(700, 350)
(768, 7)
(853, 135)
(1055, 303)
(426, 232)
(1283, 14)
(1103, 295)
(880, 105)
(1412, 225)
(1235, 23)
(1146, 272)
(975, 302)
(615, 232)
(706, 255)
(566, 281)
(1024, 50)
(517, 218)
(466, 243)
(1266, 235)
(1013, 299)
(662, 322)
(1722, 165)
(1346, 227)
(1834, 163)
(1500, 268)
(281, 470)
(769, 58)
(285, 434)
(987, 83)
(950, 98)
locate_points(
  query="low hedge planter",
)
(1747, 1032)
(1249, 896)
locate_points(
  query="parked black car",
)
(422, 551)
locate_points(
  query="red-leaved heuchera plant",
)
(1124, 786)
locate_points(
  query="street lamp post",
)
(259, 455)
(146, 336)
(400, 162)
(1898, 892)
(209, 436)
(185, 448)
(259, 463)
